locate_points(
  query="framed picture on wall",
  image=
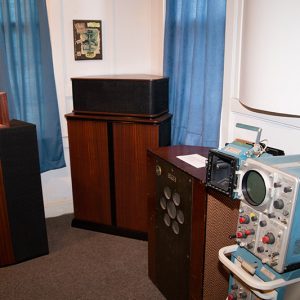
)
(87, 39)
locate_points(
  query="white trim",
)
(234, 11)
(58, 208)
(288, 121)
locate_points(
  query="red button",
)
(249, 231)
(265, 239)
(268, 238)
(244, 220)
(232, 296)
(239, 235)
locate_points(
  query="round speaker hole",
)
(163, 202)
(167, 192)
(175, 227)
(171, 208)
(167, 220)
(176, 199)
(180, 217)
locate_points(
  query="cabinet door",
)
(130, 142)
(90, 170)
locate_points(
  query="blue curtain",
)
(193, 61)
(27, 74)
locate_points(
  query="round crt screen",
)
(254, 188)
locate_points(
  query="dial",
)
(263, 223)
(260, 249)
(277, 184)
(269, 238)
(244, 219)
(287, 189)
(278, 204)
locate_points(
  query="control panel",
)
(263, 236)
(238, 290)
(269, 220)
(223, 164)
(251, 279)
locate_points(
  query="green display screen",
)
(254, 188)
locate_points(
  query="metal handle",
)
(252, 128)
(251, 281)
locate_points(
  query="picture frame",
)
(87, 39)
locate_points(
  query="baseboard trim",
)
(58, 208)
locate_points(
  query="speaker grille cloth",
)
(222, 217)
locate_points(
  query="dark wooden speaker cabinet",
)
(187, 227)
(22, 219)
(108, 157)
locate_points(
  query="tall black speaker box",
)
(22, 220)
(187, 227)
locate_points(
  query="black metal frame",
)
(232, 161)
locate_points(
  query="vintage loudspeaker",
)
(187, 227)
(123, 95)
(22, 221)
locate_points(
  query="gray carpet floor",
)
(81, 264)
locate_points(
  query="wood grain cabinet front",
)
(88, 144)
(108, 156)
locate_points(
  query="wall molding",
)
(287, 121)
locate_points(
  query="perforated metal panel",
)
(173, 227)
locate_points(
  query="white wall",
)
(270, 61)
(281, 131)
(132, 32)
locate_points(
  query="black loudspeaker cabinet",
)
(23, 232)
(124, 95)
(187, 227)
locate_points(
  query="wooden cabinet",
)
(89, 157)
(108, 157)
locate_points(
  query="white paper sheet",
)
(195, 160)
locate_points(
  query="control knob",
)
(269, 238)
(250, 245)
(240, 235)
(158, 170)
(285, 213)
(232, 296)
(244, 219)
(253, 217)
(260, 249)
(263, 223)
(271, 215)
(249, 231)
(287, 189)
(277, 184)
(278, 204)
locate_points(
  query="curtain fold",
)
(194, 62)
(28, 77)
